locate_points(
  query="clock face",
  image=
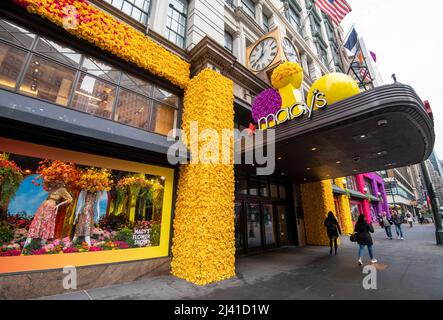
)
(263, 54)
(290, 51)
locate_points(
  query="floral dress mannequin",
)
(84, 215)
(43, 225)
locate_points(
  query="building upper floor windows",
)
(351, 183)
(293, 14)
(176, 22)
(249, 7)
(50, 71)
(137, 9)
(265, 23)
(229, 42)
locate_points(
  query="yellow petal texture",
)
(345, 209)
(291, 71)
(318, 200)
(111, 35)
(203, 247)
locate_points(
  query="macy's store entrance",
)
(264, 216)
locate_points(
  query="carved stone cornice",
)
(208, 53)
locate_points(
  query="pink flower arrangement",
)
(10, 253)
(70, 250)
(121, 244)
(93, 249)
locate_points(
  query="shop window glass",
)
(112, 210)
(48, 80)
(101, 70)
(241, 185)
(11, 63)
(274, 190)
(268, 218)
(133, 109)
(94, 96)
(355, 210)
(58, 52)
(282, 191)
(253, 187)
(163, 119)
(166, 97)
(15, 34)
(136, 85)
(264, 189)
(253, 225)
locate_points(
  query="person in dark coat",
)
(363, 230)
(398, 221)
(333, 230)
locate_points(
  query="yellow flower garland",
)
(345, 209)
(204, 240)
(318, 200)
(101, 29)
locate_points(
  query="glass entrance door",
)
(239, 227)
(268, 224)
(282, 224)
(253, 225)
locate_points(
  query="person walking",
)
(409, 218)
(333, 230)
(387, 223)
(398, 221)
(363, 230)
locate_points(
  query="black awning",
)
(383, 128)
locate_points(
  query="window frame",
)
(169, 19)
(251, 11)
(31, 52)
(133, 5)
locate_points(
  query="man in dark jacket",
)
(364, 230)
(333, 230)
(398, 221)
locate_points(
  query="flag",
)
(364, 73)
(352, 40)
(335, 9)
(361, 58)
(373, 55)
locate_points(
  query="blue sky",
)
(28, 197)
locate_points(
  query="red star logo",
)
(251, 129)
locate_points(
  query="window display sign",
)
(57, 206)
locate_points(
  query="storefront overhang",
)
(38, 121)
(383, 128)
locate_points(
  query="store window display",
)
(84, 209)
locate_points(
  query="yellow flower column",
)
(345, 209)
(318, 200)
(203, 248)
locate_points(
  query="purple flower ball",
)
(267, 102)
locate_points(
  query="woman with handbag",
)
(333, 230)
(363, 232)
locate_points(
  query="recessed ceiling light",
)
(338, 162)
(363, 136)
(314, 149)
(279, 158)
(282, 173)
(308, 169)
(305, 179)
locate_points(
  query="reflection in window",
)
(229, 42)
(136, 85)
(264, 191)
(165, 97)
(241, 185)
(163, 119)
(15, 34)
(176, 23)
(249, 7)
(253, 187)
(137, 9)
(133, 109)
(101, 70)
(94, 96)
(58, 52)
(48, 80)
(293, 16)
(274, 190)
(282, 191)
(11, 63)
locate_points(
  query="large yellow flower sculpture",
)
(287, 78)
(345, 209)
(89, 23)
(204, 241)
(318, 200)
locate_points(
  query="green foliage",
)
(34, 245)
(6, 234)
(125, 235)
(155, 235)
(10, 181)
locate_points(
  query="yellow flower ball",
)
(335, 86)
(287, 73)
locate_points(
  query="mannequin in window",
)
(43, 224)
(84, 215)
